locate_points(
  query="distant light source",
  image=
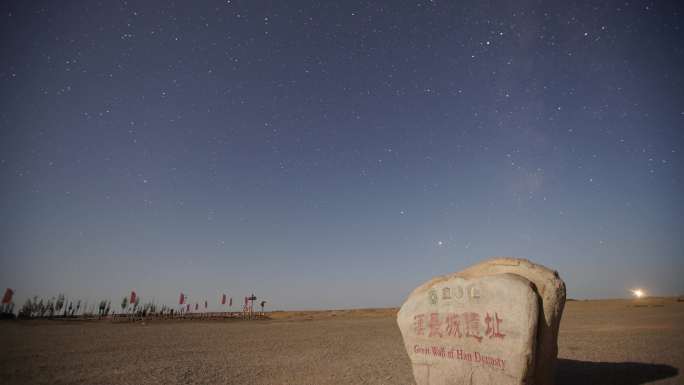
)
(638, 293)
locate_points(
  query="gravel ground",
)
(601, 342)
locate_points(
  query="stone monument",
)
(493, 323)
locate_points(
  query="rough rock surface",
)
(492, 286)
(471, 330)
(551, 290)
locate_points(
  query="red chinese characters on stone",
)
(434, 325)
(493, 330)
(453, 328)
(419, 324)
(461, 325)
(472, 326)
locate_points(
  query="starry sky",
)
(332, 154)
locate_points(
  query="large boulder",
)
(493, 323)
(551, 290)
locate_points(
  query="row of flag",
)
(183, 299)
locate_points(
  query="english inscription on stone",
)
(479, 330)
(550, 290)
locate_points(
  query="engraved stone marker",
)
(484, 336)
(551, 290)
(481, 326)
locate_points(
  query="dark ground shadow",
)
(572, 372)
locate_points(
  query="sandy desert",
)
(601, 342)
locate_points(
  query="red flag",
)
(206, 304)
(223, 300)
(133, 297)
(182, 299)
(230, 303)
(7, 298)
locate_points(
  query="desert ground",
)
(601, 342)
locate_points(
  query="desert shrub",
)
(25, 309)
(59, 303)
(7, 311)
(29, 309)
(50, 308)
(101, 308)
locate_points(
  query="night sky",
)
(337, 154)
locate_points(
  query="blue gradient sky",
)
(327, 155)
